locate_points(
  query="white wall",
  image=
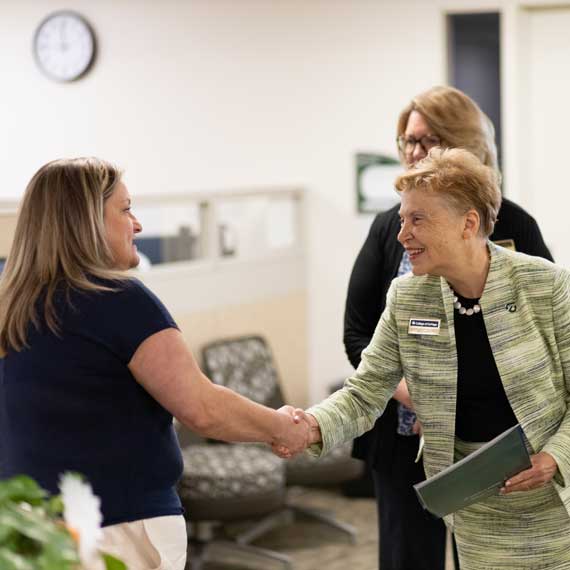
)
(206, 94)
(546, 191)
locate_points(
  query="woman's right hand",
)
(309, 426)
(543, 469)
(402, 395)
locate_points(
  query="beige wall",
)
(226, 298)
(281, 320)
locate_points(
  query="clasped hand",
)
(542, 471)
(297, 434)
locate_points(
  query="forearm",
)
(165, 367)
(340, 418)
(223, 414)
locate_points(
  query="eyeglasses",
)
(408, 144)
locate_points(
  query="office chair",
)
(246, 365)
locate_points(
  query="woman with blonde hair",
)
(93, 367)
(499, 355)
(446, 117)
(454, 121)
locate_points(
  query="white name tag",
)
(424, 326)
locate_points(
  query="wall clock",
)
(64, 46)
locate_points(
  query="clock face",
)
(64, 46)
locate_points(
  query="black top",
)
(483, 410)
(375, 267)
(70, 403)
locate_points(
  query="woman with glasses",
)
(441, 116)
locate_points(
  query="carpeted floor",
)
(313, 545)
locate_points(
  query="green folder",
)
(476, 476)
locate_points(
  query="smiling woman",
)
(470, 382)
(449, 208)
(93, 366)
(120, 227)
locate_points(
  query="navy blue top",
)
(69, 402)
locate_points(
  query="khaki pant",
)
(149, 544)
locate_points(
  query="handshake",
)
(298, 430)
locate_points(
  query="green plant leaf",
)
(52, 558)
(54, 506)
(5, 534)
(32, 524)
(12, 561)
(21, 544)
(112, 563)
(32, 534)
(60, 553)
(39, 538)
(21, 489)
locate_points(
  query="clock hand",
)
(62, 34)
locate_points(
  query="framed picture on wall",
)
(375, 176)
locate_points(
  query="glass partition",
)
(222, 225)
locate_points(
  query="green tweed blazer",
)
(526, 309)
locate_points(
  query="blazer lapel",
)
(434, 383)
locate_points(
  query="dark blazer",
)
(374, 269)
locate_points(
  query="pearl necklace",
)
(461, 309)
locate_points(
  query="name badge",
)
(424, 326)
(506, 243)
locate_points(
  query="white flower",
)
(82, 514)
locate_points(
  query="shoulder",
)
(544, 285)
(512, 217)
(117, 297)
(519, 261)
(134, 288)
(518, 227)
(386, 221)
(384, 232)
(138, 296)
(512, 208)
(122, 315)
(109, 289)
(532, 272)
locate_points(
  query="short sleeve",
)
(124, 318)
